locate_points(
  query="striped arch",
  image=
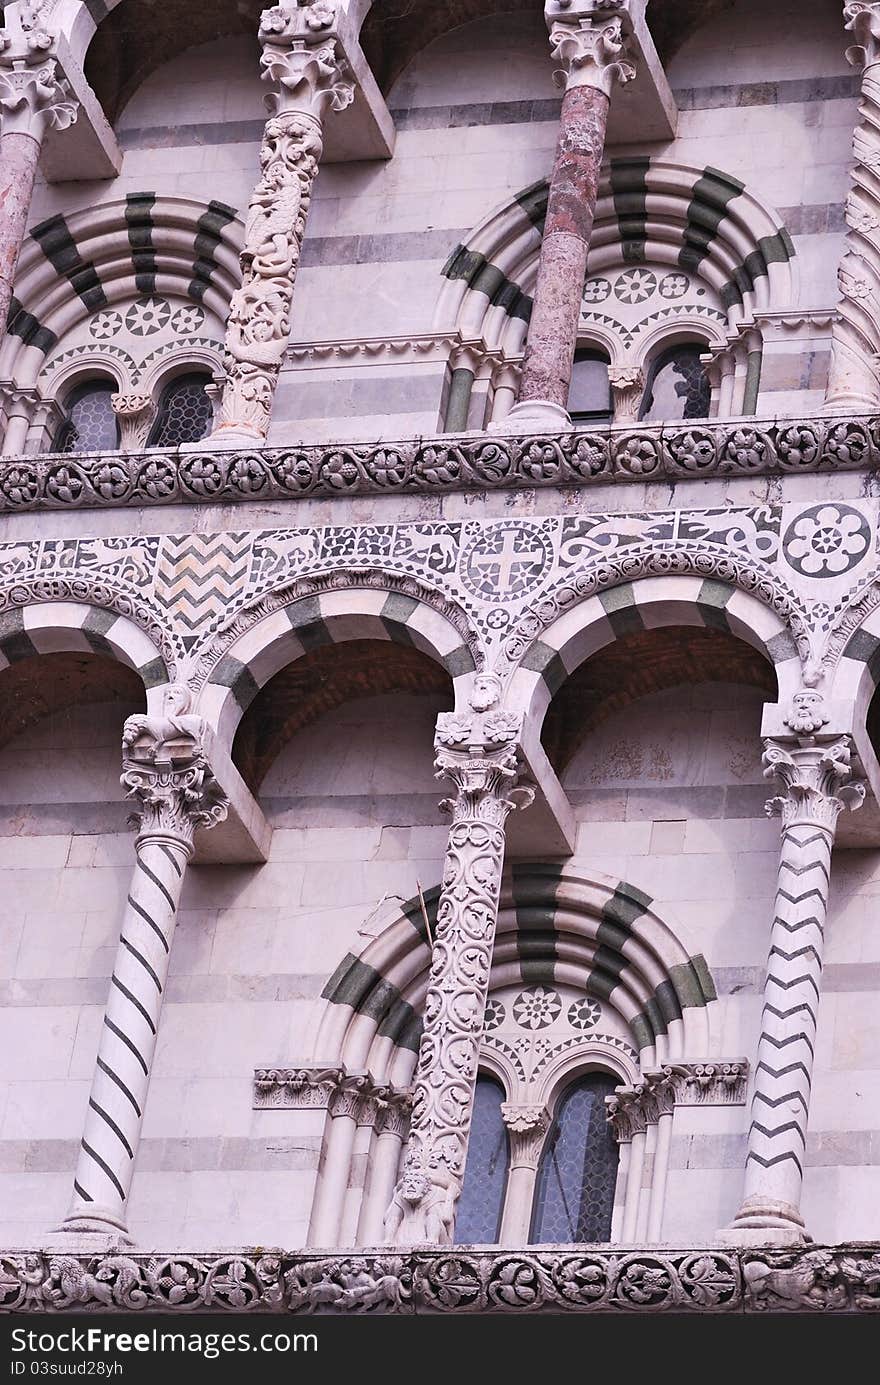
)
(556, 923)
(54, 627)
(73, 266)
(700, 220)
(857, 674)
(644, 604)
(399, 611)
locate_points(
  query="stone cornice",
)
(443, 462)
(576, 1279)
(722, 1082)
(331, 1087)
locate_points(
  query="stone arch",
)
(330, 607)
(647, 589)
(556, 923)
(703, 226)
(64, 624)
(75, 270)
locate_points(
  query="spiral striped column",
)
(813, 778)
(176, 796)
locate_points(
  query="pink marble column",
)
(591, 50)
(33, 97)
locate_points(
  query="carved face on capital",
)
(177, 698)
(807, 712)
(486, 692)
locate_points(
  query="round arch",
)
(71, 626)
(568, 626)
(329, 608)
(556, 924)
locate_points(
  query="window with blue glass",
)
(678, 386)
(90, 423)
(478, 1220)
(574, 1194)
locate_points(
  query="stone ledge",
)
(562, 1279)
(447, 462)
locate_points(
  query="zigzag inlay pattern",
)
(201, 577)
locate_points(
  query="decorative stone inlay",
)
(826, 541)
(446, 463)
(166, 771)
(832, 1279)
(813, 771)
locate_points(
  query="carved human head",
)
(486, 692)
(807, 713)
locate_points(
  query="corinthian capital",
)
(478, 753)
(33, 98)
(302, 57)
(588, 38)
(862, 20)
(813, 777)
(165, 768)
(526, 1128)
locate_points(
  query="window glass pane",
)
(478, 1220)
(590, 393)
(678, 386)
(575, 1189)
(91, 424)
(184, 413)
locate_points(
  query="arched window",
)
(678, 386)
(478, 1220)
(90, 424)
(589, 396)
(184, 412)
(574, 1194)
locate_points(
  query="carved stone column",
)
(345, 1108)
(627, 391)
(392, 1125)
(854, 375)
(302, 61)
(812, 770)
(478, 754)
(588, 39)
(527, 1127)
(166, 770)
(628, 1117)
(33, 97)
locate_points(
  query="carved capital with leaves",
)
(862, 20)
(33, 97)
(165, 768)
(303, 59)
(814, 776)
(588, 39)
(526, 1128)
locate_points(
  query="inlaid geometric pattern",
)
(200, 576)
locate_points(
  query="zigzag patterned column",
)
(165, 768)
(854, 375)
(812, 772)
(479, 755)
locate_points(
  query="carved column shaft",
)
(854, 375)
(165, 769)
(527, 1128)
(591, 49)
(479, 756)
(33, 97)
(813, 774)
(302, 61)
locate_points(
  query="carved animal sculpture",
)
(808, 1282)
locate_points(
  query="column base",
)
(766, 1221)
(97, 1229)
(534, 416)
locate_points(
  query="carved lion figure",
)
(809, 1282)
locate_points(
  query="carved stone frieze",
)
(331, 1088)
(630, 1110)
(837, 1279)
(446, 463)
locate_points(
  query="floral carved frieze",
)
(443, 463)
(569, 1280)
